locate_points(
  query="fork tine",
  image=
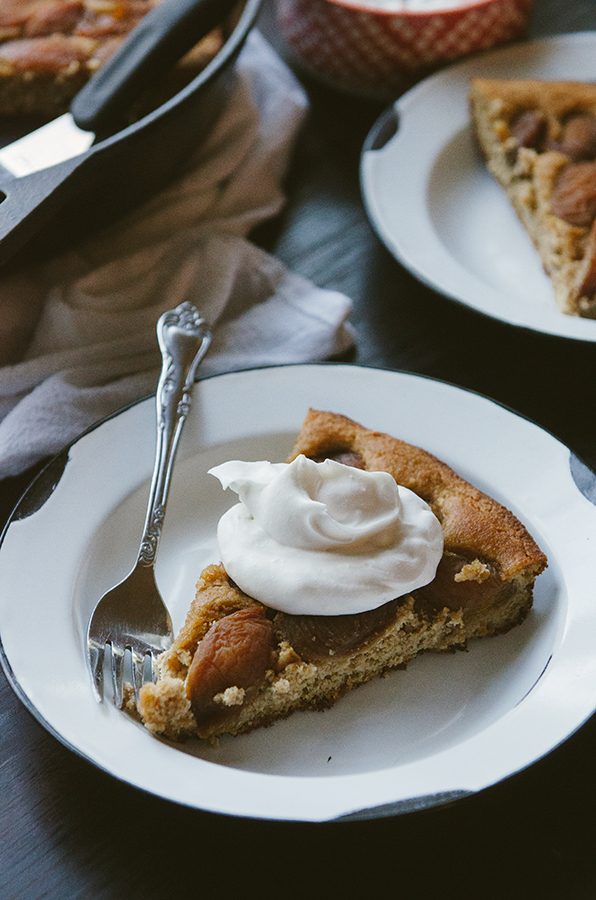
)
(138, 667)
(117, 674)
(154, 656)
(96, 657)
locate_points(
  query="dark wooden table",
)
(71, 831)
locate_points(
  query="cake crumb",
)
(232, 696)
(287, 655)
(281, 686)
(185, 657)
(128, 697)
(473, 571)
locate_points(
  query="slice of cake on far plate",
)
(373, 551)
(539, 142)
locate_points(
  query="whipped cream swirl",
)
(312, 538)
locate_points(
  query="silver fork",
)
(132, 615)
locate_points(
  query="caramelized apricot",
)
(446, 589)
(318, 637)
(529, 129)
(235, 652)
(574, 196)
(578, 140)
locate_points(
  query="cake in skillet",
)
(50, 48)
(239, 663)
(539, 142)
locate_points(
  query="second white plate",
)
(436, 208)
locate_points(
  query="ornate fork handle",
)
(183, 339)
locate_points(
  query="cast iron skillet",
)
(90, 191)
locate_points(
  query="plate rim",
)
(410, 804)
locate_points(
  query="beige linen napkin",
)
(94, 348)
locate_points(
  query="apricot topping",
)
(574, 196)
(235, 652)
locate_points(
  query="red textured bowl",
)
(377, 53)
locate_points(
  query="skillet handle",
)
(160, 39)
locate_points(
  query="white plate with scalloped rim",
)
(448, 726)
(438, 211)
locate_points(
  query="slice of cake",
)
(539, 141)
(238, 663)
(50, 48)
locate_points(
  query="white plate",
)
(448, 726)
(436, 208)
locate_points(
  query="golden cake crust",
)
(555, 98)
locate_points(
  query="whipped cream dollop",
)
(312, 538)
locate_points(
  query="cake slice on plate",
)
(539, 142)
(241, 662)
